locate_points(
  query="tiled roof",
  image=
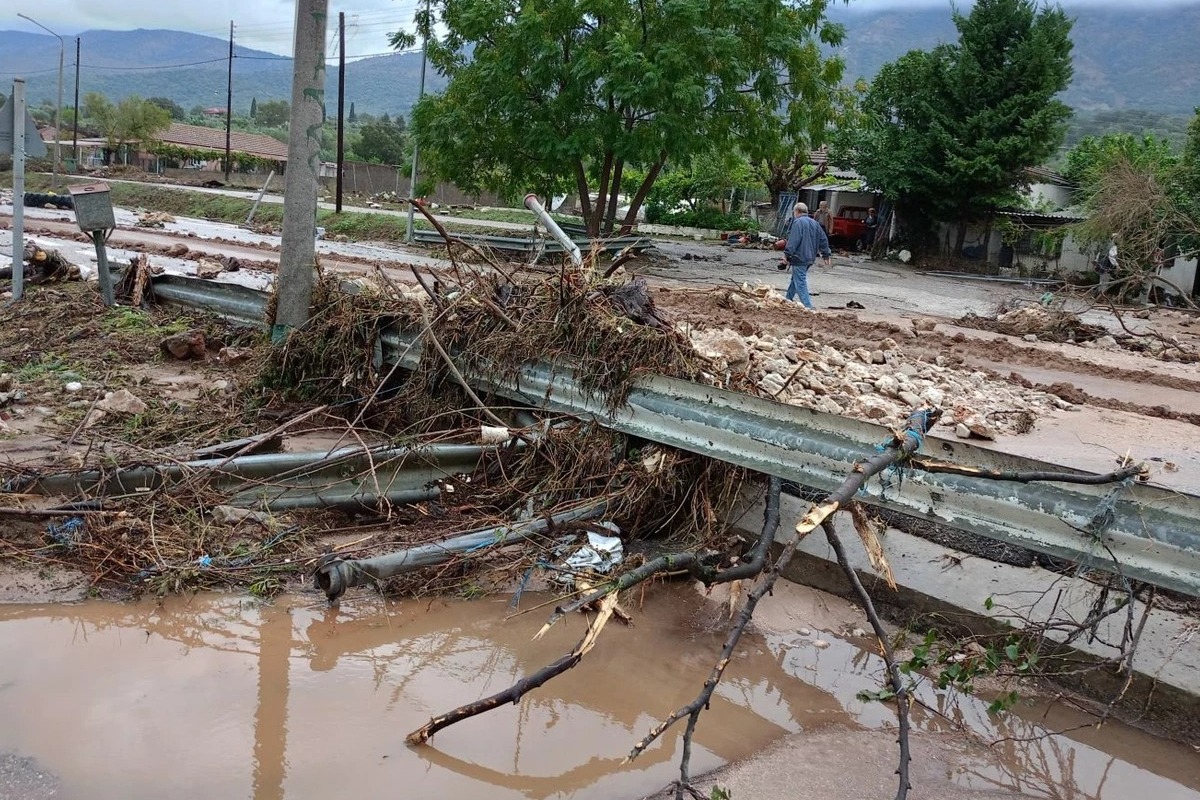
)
(199, 137)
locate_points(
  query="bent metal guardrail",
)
(1154, 533)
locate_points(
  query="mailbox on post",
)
(93, 207)
(94, 215)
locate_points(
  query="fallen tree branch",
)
(889, 658)
(693, 709)
(514, 693)
(928, 465)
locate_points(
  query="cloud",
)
(262, 24)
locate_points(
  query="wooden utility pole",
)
(229, 106)
(302, 173)
(341, 141)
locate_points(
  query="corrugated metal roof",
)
(1066, 215)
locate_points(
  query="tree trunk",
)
(640, 197)
(614, 191)
(585, 202)
(601, 196)
(961, 239)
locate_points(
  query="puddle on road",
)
(221, 697)
(216, 697)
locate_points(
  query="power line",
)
(156, 66)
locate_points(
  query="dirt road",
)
(1123, 401)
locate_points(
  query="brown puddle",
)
(179, 699)
(220, 697)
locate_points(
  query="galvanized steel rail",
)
(1153, 532)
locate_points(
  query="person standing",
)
(1106, 266)
(806, 240)
(823, 217)
(870, 224)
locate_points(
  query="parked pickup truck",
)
(850, 225)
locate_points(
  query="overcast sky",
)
(267, 24)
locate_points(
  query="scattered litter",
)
(68, 533)
(600, 554)
(493, 435)
(230, 515)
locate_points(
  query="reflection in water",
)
(224, 698)
(1115, 762)
(216, 697)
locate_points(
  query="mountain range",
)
(1125, 58)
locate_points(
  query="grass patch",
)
(122, 319)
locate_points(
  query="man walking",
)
(806, 240)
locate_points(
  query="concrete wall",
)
(378, 178)
(1058, 196)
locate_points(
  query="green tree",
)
(273, 113)
(133, 120)
(1141, 191)
(352, 117)
(382, 142)
(170, 106)
(948, 134)
(253, 107)
(558, 93)
(1088, 160)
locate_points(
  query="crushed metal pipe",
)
(335, 576)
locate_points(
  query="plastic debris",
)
(600, 554)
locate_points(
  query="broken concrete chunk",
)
(887, 385)
(177, 250)
(187, 345)
(207, 268)
(962, 431)
(121, 401)
(924, 324)
(723, 346)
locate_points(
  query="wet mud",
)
(216, 696)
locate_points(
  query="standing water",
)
(219, 697)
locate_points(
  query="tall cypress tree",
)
(253, 107)
(352, 117)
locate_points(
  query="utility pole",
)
(229, 105)
(58, 108)
(75, 136)
(17, 101)
(412, 181)
(341, 140)
(301, 175)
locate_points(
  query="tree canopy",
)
(382, 141)
(559, 94)
(131, 120)
(948, 133)
(170, 106)
(273, 113)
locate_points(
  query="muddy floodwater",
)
(223, 697)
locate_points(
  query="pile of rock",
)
(881, 384)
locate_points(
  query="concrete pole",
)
(412, 181)
(229, 108)
(58, 109)
(301, 176)
(75, 137)
(18, 156)
(341, 123)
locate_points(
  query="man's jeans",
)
(799, 285)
